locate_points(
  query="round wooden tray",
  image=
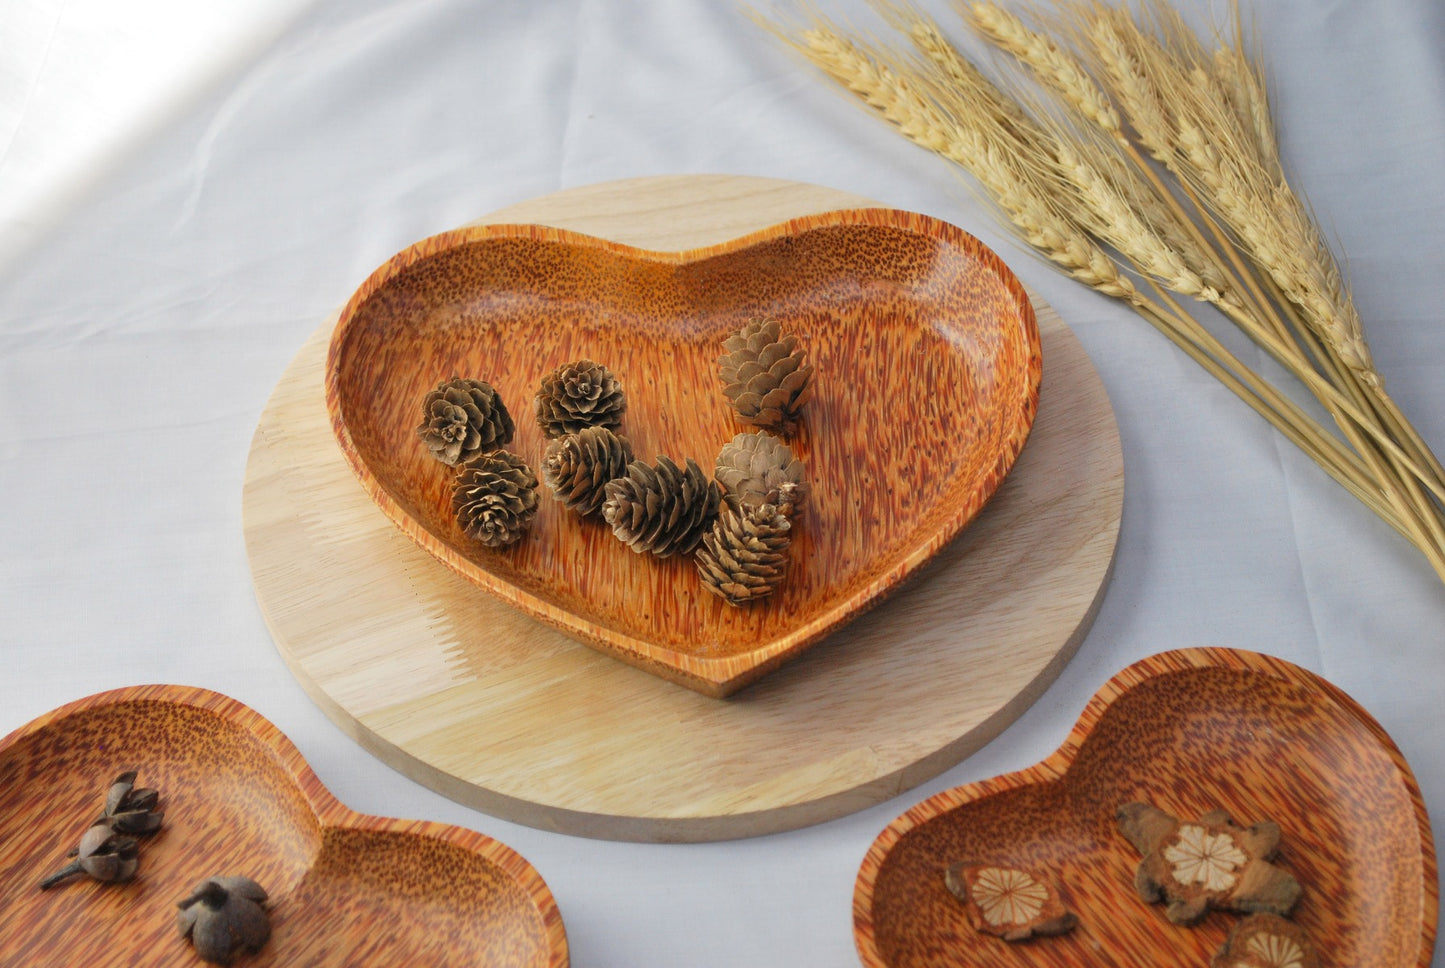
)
(493, 709)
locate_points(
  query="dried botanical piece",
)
(759, 468)
(1266, 941)
(1008, 902)
(495, 498)
(131, 810)
(1209, 863)
(578, 466)
(462, 419)
(1144, 149)
(578, 395)
(765, 374)
(223, 917)
(745, 555)
(663, 509)
(103, 854)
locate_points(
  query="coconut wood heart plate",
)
(239, 799)
(927, 364)
(1187, 731)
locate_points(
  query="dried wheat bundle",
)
(1142, 162)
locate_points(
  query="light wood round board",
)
(497, 711)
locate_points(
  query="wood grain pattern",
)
(927, 367)
(500, 712)
(345, 889)
(1187, 731)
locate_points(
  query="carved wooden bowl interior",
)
(927, 370)
(1187, 731)
(345, 889)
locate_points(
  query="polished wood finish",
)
(1188, 731)
(492, 708)
(345, 889)
(926, 357)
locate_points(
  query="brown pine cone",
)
(744, 557)
(495, 498)
(464, 418)
(663, 509)
(579, 395)
(758, 469)
(578, 466)
(765, 375)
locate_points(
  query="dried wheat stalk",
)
(1212, 217)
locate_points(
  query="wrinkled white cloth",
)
(185, 196)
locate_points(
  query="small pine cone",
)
(579, 395)
(764, 374)
(578, 466)
(464, 418)
(761, 469)
(495, 498)
(663, 509)
(744, 556)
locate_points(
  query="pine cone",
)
(579, 395)
(662, 509)
(464, 418)
(764, 374)
(495, 497)
(760, 469)
(744, 556)
(578, 466)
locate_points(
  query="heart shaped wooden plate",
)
(1188, 731)
(239, 799)
(927, 368)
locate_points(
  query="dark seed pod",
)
(223, 917)
(131, 810)
(103, 854)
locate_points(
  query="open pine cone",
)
(579, 395)
(765, 375)
(578, 466)
(464, 418)
(758, 469)
(663, 509)
(495, 498)
(745, 555)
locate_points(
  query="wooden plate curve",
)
(503, 713)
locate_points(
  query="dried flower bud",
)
(103, 854)
(223, 917)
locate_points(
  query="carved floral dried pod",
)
(103, 854)
(1266, 941)
(758, 468)
(224, 917)
(578, 395)
(765, 374)
(1195, 866)
(462, 419)
(1011, 903)
(661, 508)
(744, 557)
(495, 498)
(130, 809)
(578, 466)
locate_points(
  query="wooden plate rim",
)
(1057, 764)
(715, 676)
(329, 811)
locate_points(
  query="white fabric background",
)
(187, 190)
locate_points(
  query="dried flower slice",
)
(1008, 902)
(1266, 941)
(1207, 863)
